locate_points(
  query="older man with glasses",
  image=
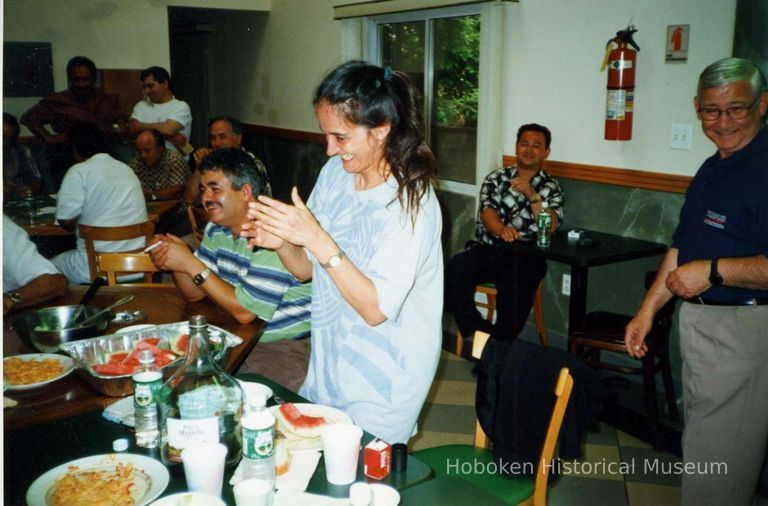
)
(718, 265)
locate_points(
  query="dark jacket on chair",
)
(514, 400)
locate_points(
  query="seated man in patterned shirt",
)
(510, 200)
(246, 282)
(163, 174)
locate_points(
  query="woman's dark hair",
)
(371, 96)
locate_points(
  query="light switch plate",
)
(680, 136)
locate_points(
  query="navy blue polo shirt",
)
(726, 213)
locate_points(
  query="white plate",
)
(150, 480)
(251, 387)
(296, 443)
(66, 362)
(189, 499)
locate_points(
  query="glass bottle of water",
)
(259, 440)
(544, 224)
(146, 384)
(200, 402)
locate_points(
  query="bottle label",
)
(185, 432)
(146, 386)
(259, 443)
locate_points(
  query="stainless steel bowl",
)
(42, 328)
(90, 352)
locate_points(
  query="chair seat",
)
(471, 464)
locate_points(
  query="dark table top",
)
(31, 451)
(73, 395)
(596, 248)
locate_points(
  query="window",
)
(440, 51)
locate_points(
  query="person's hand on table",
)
(293, 223)
(172, 255)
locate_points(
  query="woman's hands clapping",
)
(272, 222)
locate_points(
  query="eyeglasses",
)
(735, 112)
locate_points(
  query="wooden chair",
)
(490, 292)
(603, 331)
(90, 234)
(114, 264)
(521, 490)
(198, 218)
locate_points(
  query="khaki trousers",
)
(725, 394)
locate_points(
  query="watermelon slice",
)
(121, 362)
(179, 346)
(298, 423)
(113, 369)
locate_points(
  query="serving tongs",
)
(124, 300)
(95, 285)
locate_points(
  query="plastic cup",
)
(253, 492)
(204, 467)
(341, 450)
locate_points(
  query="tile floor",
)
(616, 468)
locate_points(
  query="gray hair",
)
(732, 70)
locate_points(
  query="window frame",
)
(372, 53)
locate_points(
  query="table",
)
(45, 224)
(73, 395)
(605, 249)
(31, 451)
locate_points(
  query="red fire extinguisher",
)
(620, 98)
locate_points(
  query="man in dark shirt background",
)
(52, 117)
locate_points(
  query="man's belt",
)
(713, 302)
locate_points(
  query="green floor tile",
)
(650, 466)
(571, 491)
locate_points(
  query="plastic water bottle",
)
(146, 383)
(259, 440)
(544, 224)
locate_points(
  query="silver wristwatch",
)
(200, 277)
(334, 261)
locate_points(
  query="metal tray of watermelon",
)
(96, 351)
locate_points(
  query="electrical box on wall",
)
(680, 136)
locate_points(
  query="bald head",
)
(150, 146)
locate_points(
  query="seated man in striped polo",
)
(248, 283)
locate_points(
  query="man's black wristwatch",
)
(714, 276)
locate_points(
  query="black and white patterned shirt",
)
(513, 207)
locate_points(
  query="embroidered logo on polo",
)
(714, 219)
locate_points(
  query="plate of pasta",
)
(115, 479)
(24, 372)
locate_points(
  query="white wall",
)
(115, 34)
(553, 51)
(278, 63)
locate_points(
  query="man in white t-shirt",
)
(28, 277)
(161, 111)
(98, 191)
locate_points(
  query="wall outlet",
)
(566, 287)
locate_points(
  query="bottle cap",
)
(544, 204)
(399, 457)
(120, 445)
(360, 494)
(257, 399)
(146, 357)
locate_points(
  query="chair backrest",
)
(562, 390)
(114, 264)
(90, 234)
(198, 218)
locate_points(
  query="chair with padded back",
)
(520, 490)
(114, 264)
(90, 234)
(489, 291)
(603, 331)
(198, 218)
